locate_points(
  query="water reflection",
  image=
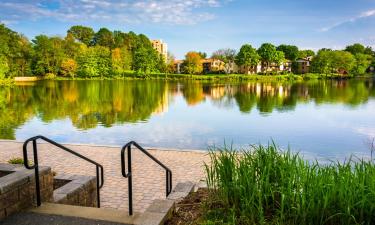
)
(88, 104)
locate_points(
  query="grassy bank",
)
(263, 185)
(224, 77)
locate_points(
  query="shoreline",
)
(204, 77)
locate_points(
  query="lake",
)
(329, 119)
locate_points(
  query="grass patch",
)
(264, 185)
(16, 161)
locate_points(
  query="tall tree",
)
(305, 53)
(247, 57)
(269, 54)
(82, 33)
(225, 54)
(192, 63)
(356, 49)
(290, 51)
(104, 37)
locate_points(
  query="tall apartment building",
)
(161, 47)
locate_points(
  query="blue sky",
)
(204, 25)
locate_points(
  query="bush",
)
(264, 185)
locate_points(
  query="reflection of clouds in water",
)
(178, 135)
(367, 131)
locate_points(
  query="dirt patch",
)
(190, 209)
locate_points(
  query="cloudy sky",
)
(204, 25)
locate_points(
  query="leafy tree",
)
(94, 62)
(82, 34)
(225, 54)
(362, 62)
(68, 67)
(192, 63)
(4, 68)
(356, 49)
(145, 60)
(305, 53)
(291, 52)
(269, 54)
(247, 57)
(328, 61)
(48, 54)
(104, 37)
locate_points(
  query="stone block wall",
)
(79, 191)
(17, 188)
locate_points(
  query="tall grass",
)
(264, 185)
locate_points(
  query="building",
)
(160, 47)
(303, 65)
(213, 66)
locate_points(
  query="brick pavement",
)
(148, 177)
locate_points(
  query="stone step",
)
(103, 214)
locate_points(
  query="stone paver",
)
(148, 177)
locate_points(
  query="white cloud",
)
(123, 11)
(363, 15)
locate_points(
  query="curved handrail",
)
(128, 174)
(99, 179)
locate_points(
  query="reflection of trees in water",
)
(88, 104)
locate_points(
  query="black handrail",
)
(129, 175)
(36, 165)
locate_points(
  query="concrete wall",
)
(17, 189)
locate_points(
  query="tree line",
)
(86, 53)
(354, 59)
(82, 52)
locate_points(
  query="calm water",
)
(318, 118)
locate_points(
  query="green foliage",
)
(328, 61)
(94, 62)
(247, 56)
(269, 54)
(362, 62)
(16, 161)
(104, 37)
(291, 52)
(82, 34)
(4, 68)
(264, 185)
(305, 53)
(356, 49)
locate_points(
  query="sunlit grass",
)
(264, 185)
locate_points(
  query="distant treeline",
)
(82, 52)
(86, 53)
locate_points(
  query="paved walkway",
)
(148, 178)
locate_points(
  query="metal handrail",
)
(129, 175)
(99, 183)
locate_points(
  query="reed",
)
(264, 185)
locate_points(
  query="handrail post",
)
(36, 164)
(97, 187)
(130, 180)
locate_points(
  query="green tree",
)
(203, 55)
(192, 63)
(356, 49)
(4, 68)
(48, 54)
(104, 37)
(362, 62)
(82, 34)
(305, 53)
(328, 61)
(269, 54)
(145, 60)
(291, 52)
(247, 57)
(94, 62)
